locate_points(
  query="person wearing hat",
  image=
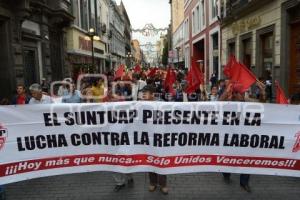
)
(156, 180)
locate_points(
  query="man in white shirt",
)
(140, 84)
(37, 95)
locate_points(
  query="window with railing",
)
(229, 6)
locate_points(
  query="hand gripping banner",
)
(166, 138)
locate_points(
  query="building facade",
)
(159, 47)
(117, 31)
(137, 52)
(32, 42)
(201, 35)
(89, 14)
(127, 35)
(177, 18)
(265, 36)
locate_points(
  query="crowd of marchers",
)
(154, 84)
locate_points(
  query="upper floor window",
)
(196, 17)
(84, 13)
(214, 8)
(75, 12)
(92, 14)
(186, 30)
(202, 14)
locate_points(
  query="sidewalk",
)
(99, 186)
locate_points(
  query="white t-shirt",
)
(139, 87)
(44, 100)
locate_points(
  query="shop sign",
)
(245, 25)
(85, 44)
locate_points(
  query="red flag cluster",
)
(194, 79)
(239, 75)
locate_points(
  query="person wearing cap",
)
(155, 179)
(37, 95)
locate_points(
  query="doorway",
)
(294, 81)
(30, 66)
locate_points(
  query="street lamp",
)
(129, 56)
(92, 36)
(178, 49)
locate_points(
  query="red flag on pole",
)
(244, 77)
(280, 96)
(231, 70)
(239, 75)
(194, 78)
(120, 72)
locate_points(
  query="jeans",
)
(157, 179)
(2, 197)
(244, 178)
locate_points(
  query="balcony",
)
(234, 9)
(64, 5)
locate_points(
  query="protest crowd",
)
(155, 84)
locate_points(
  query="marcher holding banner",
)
(156, 180)
(233, 94)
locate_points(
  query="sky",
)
(142, 12)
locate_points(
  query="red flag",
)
(280, 96)
(239, 75)
(169, 81)
(120, 72)
(137, 69)
(152, 72)
(194, 78)
(243, 77)
(231, 70)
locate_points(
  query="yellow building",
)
(137, 52)
(177, 10)
(177, 13)
(79, 49)
(87, 37)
